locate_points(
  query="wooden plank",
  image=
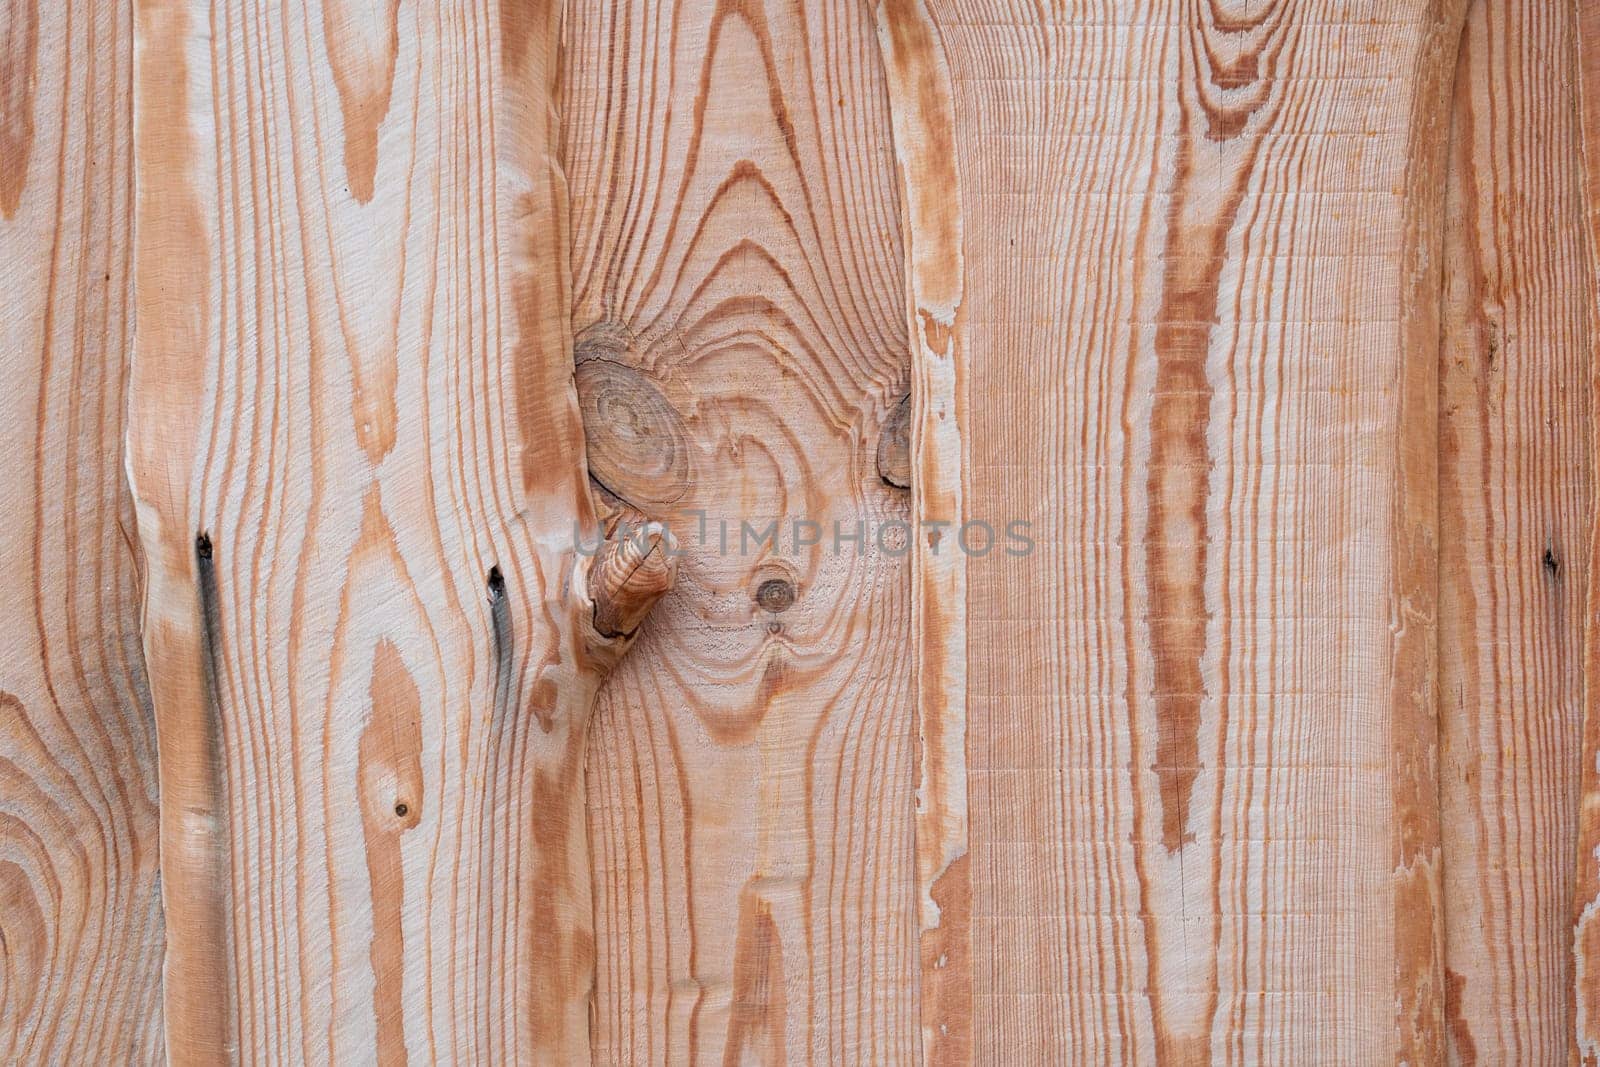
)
(1515, 492)
(358, 466)
(1197, 348)
(923, 122)
(742, 353)
(80, 921)
(1586, 890)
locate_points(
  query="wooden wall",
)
(1265, 327)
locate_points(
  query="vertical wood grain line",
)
(19, 57)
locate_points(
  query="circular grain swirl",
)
(636, 441)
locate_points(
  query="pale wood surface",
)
(1197, 344)
(742, 351)
(1515, 498)
(358, 465)
(80, 922)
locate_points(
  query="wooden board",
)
(80, 923)
(356, 454)
(1515, 494)
(742, 354)
(1195, 344)
(1586, 891)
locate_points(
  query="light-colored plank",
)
(80, 921)
(1196, 347)
(1515, 497)
(742, 352)
(924, 123)
(357, 460)
(1585, 983)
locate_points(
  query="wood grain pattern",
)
(358, 465)
(1586, 888)
(1199, 352)
(1273, 746)
(80, 923)
(742, 350)
(1515, 497)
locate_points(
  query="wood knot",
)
(633, 568)
(636, 440)
(894, 446)
(402, 809)
(775, 595)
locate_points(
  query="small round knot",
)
(775, 595)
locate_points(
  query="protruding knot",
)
(894, 447)
(633, 568)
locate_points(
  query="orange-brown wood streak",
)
(924, 134)
(390, 770)
(759, 1015)
(742, 346)
(1413, 536)
(80, 921)
(363, 40)
(172, 259)
(19, 72)
(1515, 497)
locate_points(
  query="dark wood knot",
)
(637, 443)
(775, 595)
(894, 446)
